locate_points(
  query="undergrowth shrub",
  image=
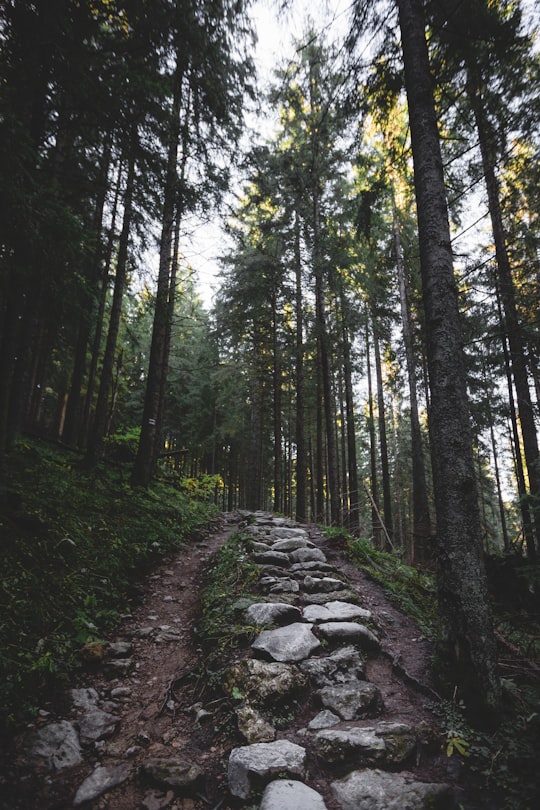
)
(74, 546)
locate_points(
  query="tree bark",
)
(467, 656)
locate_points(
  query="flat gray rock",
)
(289, 794)
(57, 744)
(285, 585)
(352, 700)
(272, 613)
(335, 611)
(271, 557)
(258, 547)
(294, 642)
(322, 584)
(377, 790)
(174, 773)
(345, 595)
(391, 743)
(291, 544)
(100, 781)
(253, 766)
(342, 666)
(350, 631)
(286, 532)
(97, 725)
(310, 566)
(302, 555)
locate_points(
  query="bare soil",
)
(168, 686)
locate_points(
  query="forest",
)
(370, 360)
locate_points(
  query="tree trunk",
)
(467, 655)
(301, 459)
(145, 462)
(421, 545)
(374, 494)
(511, 320)
(95, 443)
(383, 442)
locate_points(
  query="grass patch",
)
(227, 593)
(410, 590)
(74, 547)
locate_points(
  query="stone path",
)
(315, 643)
(320, 631)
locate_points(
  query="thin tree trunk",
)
(374, 495)
(511, 319)
(421, 520)
(145, 462)
(301, 460)
(97, 435)
(467, 655)
(383, 441)
(100, 316)
(72, 423)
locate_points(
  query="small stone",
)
(84, 698)
(285, 585)
(324, 719)
(119, 649)
(119, 666)
(99, 782)
(342, 666)
(303, 555)
(322, 585)
(142, 632)
(272, 558)
(96, 725)
(263, 683)
(173, 773)
(168, 598)
(121, 692)
(253, 726)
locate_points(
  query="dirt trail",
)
(162, 706)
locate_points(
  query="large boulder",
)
(349, 631)
(265, 682)
(391, 743)
(272, 613)
(251, 767)
(352, 701)
(303, 555)
(377, 790)
(343, 666)
(56, 745)
(291, 643)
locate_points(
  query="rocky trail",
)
(330, 698)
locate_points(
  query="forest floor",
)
(165, 706)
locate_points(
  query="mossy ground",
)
(74, 546)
